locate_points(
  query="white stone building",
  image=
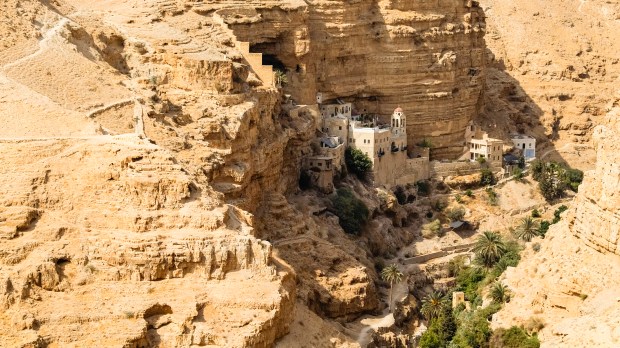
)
(525, 144)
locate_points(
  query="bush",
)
(473, 328)
(557, 213)
(536, 247)
(535, 213)
(481, 160)
(518, 174)
(425, 143)
(423, 187)
(431, 229)
(515, 337)
(554, 178)
(439, 204)
(492, 197)
(458, 198)
(440, 331)
(357, 162)
(400, 194)
(544, 227)
(352, 212)
(486, 177)
(456, 214)
(534, 325)
(469, 193)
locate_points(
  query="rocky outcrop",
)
(571, 282)
(429, 58)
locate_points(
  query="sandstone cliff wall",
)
(427, 57)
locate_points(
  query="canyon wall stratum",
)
(145, 157)
(149, 164)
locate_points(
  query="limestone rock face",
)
(552, 73)
(572, 282)
(427, 57)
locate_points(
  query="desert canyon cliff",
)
(149, 167)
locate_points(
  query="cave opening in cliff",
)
(270, 57)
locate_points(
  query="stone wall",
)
(444, 169)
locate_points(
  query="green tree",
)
(281, 78)
(433, 305)
(440, 331)
(392, 275)
(456, 214)
(489, 248)
(515, 337)
(486, 177)
(357, 162)
(352, 213)
(499, 293)
(528, 228)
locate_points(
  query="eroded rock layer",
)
(428, 57)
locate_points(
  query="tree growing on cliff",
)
(433, 305)
(352, 213)
(528, 228)
(392, 275)
(357, 162)
(489, 248)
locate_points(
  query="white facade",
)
(526, 144)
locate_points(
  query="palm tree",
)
(489, 248)
(432, 305)
(499, 293)
(392, 275)
(527, 229)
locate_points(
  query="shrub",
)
(400, 194)
(535, 213)
(486, 177)
(425, 143)
(423, 187)
(439, 204)
(357, 162)
(458, 198)
(481, 160)
(469, 193)
(515, 337)
(536, 247)
(352, 213)
(544, 227)
(473, 328)
(456, 214)
(534, 325)
(440, 331)
(492, 197)
(518, 174)
(431, 229)
(573, 177)
(557, 213)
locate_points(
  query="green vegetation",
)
(458, 198)
(544, 225)
(281, 78)
(515, 337)
(481, 160)
(432, 305)
(425, 143)
(528, 228)
(431, 229)
(554, 178)
(486, 177)
(492, 197)
(456, 214)
(535, 213)
(473, 327)
(557, 213)
(518, 174)
(357, 162)
(499, 293)
(392, 275)
(424, 188)
(352, 213)
(469, 193)
(489, 248)
(441, 329)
